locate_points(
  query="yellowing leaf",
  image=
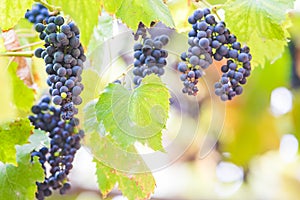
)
(133, 186)
(23, 96)
(12, 11)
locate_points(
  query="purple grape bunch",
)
(211, 40)
(149, 57)
(64, 57)
(37, 14)
(64, 143)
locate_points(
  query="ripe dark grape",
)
(194, 60)
(211, 39)
(182, 67)
(204, 42)
(243, 57)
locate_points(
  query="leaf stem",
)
(52, 8)
(27, 45)
(20, 54)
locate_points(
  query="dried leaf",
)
(11, 42)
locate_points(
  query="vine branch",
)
(27, 45)
(52, 8)
(19, 54)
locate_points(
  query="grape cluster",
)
(210, 40)
(37, 14)
(65, 141)
(64, 57)
(150, 57)
(141, 31)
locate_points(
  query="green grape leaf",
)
(111, 160)
(11, 134)
(133, 186)
(112, 6)
(84, 13)
(23, 96)
(12, 11)
(131, 12)
(18, 182)
(261, 25)
(138, 115)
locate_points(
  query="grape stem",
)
(52, 8)
(68, 19)
(20, 54)
(124, 73)
(213, 8)
(27, 45)
(214, 11)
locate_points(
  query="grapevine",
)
(210, 40)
